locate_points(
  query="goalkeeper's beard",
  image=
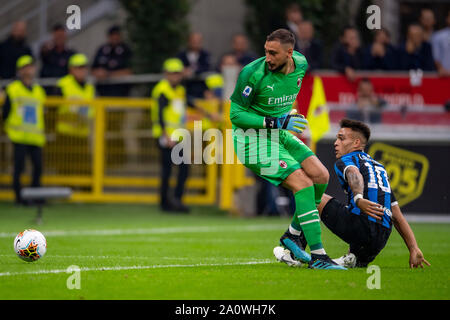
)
(279, 68)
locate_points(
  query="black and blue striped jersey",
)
(376, 184)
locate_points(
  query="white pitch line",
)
(164, 230)
(130, 257)
(157, 266)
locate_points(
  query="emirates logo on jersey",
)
(299, 82)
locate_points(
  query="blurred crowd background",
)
(371, 75)
(134, 37)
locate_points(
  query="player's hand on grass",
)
(292, 121)
(370, 208)
(416, 259)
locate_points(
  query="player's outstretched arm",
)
(416, 258)
(244, 119)
(356, 182)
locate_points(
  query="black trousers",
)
(366, 238)
(166, 171)
(20, 153)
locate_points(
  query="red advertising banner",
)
(396, 90)
(420, 91)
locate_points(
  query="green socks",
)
(306, 217)
(319, 190)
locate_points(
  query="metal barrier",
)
(116, 162)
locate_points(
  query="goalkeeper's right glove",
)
(289, 121)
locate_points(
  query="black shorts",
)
(366, 238)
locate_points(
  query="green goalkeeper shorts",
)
(271, 154)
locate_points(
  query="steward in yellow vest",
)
(169, 96)
(23, 117)
(168, 114)
(74, 119)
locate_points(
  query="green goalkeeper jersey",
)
(261, 93)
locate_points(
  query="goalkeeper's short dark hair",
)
(357, 126)
(284, 36)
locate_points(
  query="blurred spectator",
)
(229, 68)
(293, 15)
(196, 61)
(310, 47)
(12, 48)
(368, 105)
(112, 60)
(427, 21)
(347, 56)
(215, 83)
(441, 49)
(240, 50)
(415, 53)
(381, 54)
(195, 58)
(228, 59)
(55, 54)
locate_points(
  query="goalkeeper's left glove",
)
(290, 121)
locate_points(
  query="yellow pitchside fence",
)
(119, 160)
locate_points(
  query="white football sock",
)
(318, 251)
(293, 231)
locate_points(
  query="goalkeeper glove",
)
(290, 121)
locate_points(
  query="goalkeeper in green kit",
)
(262, 116)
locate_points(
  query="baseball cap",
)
(78, 60)
(173, 65)
(24, 61)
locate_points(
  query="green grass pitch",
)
(136, 252)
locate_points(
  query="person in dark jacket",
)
(113, 60)
(55, 54)
(196, 60)
(12, 48)
(347, 56)
(308, 45)
(380, 54)
(415, 53)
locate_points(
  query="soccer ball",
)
(30, 245)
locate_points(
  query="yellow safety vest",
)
(25, 122)
(173, 113)
(74, 119)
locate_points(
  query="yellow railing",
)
(118, 161)
(233, 174)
